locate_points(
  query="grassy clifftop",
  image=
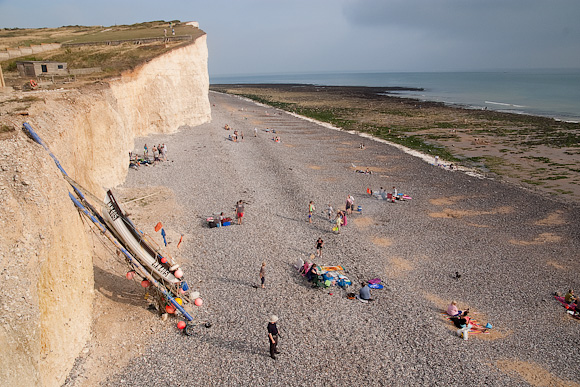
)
(112, 59)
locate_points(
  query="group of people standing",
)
(340, 217)
(159, 152)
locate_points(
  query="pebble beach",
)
(513, 249)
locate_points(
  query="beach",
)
(534, 152)
(513, 248)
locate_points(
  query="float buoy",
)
(198, 302)
(169, 309)
(130, 275)
(181, 324)
(145, 283)
(33, 83)
(178, 273)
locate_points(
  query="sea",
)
(547, 93)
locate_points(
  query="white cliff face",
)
(46, 284)
(167, 92)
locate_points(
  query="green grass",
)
(533, 182)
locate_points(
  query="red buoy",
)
(169, 309)
(181, 324)
(145, 283)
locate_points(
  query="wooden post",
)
(2, 83)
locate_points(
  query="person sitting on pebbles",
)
(365, 292)
(453, 311)
(570, 297)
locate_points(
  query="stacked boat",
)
(145, 258)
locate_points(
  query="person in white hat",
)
(273, 336)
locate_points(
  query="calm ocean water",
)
(550, 93)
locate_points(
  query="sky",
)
(251, 37)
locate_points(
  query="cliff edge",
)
(46, 267)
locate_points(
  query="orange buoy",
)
(163, 260)
(145, 283)
(33, 83)
(169, 309)
(179, 301)
(181, 324)
(158, 226)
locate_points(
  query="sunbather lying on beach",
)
(464, 321)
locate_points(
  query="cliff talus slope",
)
(46, 270)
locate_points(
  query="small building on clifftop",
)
(41, 68)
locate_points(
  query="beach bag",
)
(213, 224)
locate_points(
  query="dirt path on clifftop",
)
(512, 247)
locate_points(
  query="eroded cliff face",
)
(46, 270)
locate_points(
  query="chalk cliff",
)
(46, 271)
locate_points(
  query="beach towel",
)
(374, 281)
(565, 304)
(375, 286)
(331, 268)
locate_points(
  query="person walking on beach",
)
(319, 244)
(145, 151)
(263, 274)
(311, 210)
(239, 211)
(255, 132)
(273, 336)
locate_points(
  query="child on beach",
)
(329, 210)
(338, 221)
(239, 211)
(311, 209)
(319, 244)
